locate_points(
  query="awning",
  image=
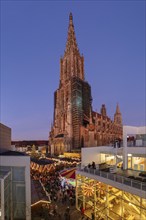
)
(69, 174)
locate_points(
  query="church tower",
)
(118, 116)
(103, 110)
(118, 128)
(72, 100)
(75, 124)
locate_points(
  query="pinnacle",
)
(117, 109)
(71, 43)
(70, 16)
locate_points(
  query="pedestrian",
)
(66, 216)
(82, 211)
(68, 209)
(93, 165)
(92, 216)
(59, 216)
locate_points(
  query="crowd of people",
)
(58, 190)
(60, 193)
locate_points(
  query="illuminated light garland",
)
(40, 201)
(88, 189)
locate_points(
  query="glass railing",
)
(116, 178)
(139, 143)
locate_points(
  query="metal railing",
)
(116, 178)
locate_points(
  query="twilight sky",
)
(111, 36)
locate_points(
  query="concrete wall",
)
(90, 154)
(5, 137)
(137, 150)
(93, 153)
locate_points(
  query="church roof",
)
(13, 153)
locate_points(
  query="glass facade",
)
(7, 197)
(137, 163)
(15, 193)
(107, 202)
(109, 159)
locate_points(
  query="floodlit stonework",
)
(75, 124)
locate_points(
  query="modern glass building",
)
(5, 195)
(116, 188)
(15, 203)
(108, 202)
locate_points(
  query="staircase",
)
(113, 168)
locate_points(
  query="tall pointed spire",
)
(71, 43)
(72, 63)
(70, 17)
(117, 115)
(117, 109)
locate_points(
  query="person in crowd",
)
(57, 192)
(82, 211)
(93, 165)
(92, 216)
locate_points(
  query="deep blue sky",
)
(110, 34)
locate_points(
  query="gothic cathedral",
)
(75, 124)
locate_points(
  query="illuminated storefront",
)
(136, 162)
(107, 202)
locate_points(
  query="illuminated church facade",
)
(75, 124)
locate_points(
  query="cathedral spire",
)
(72, 63)
(71, 43)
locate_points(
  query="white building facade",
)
(116, 188)
(15, 187)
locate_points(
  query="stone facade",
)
(75, 124)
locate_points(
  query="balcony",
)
(138, 144)
(117, 178)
